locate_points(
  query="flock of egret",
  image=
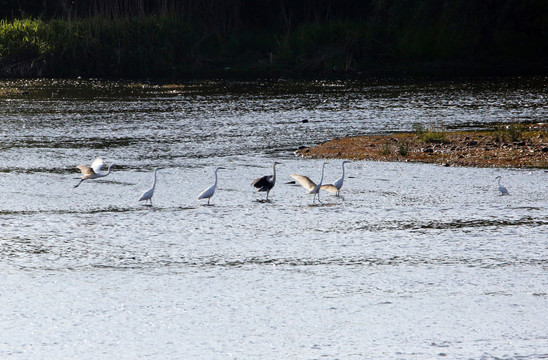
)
(264, 183)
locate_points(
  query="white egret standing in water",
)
(267, 182)
(308, 184)
(93, 171)
(208, 193)
(502, 189)
(335, 188)
(147, 195)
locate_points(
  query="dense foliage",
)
(166, 38)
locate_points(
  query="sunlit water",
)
(415, 261)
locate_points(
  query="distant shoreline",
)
(525, 146)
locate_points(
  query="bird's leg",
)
(79, 183)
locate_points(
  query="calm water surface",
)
(415, 262)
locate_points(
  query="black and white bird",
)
(267, 182)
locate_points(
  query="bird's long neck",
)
(108, 172)
(215, 185)
(274, 173)
(154, 182)
(321, 178)
(342, 177)
(499, 181)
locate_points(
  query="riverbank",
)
(518, 146)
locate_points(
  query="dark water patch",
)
(480, 223)
(488, 356)
(72, 170)
(453, 224)
(139, 207)
(109, 209)
(219, 261)
(96, 143)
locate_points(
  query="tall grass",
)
(164, 38)
(21, 40)
(148, 46)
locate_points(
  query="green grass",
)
(434, 136)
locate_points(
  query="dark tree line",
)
(299, 34)
(279, 14)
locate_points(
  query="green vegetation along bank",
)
(127, 39)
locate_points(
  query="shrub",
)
(514, 131)
(386, 149)
(403, 149)
(511, 132)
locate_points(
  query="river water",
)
(414, 262)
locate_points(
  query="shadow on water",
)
(75, 143)
(453, 224)
(105, 210)
(212, 262)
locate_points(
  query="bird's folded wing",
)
(206, 193)
(86, 170)
(97, 164)
(146, 195)
(304, 181)
(331, 188)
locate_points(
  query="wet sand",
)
(492, 148)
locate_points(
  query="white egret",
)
(502, 189)
(93, 171)
(267, 182)
(309, 185)
(208, 193)
(147, 195)
(335, 188)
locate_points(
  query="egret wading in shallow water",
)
(502, 189)
(93, 171)
(335, 188)
(309, 185)
(208, 193)
(267, 182)
(147, 195)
